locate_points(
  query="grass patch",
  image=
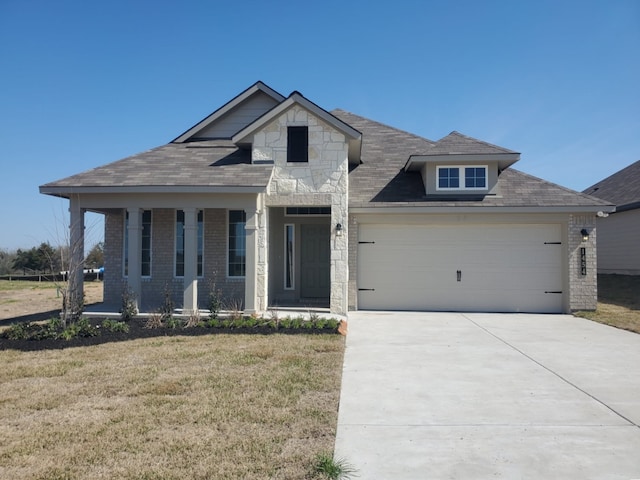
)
(618, 302)
(8, 286)
(223, 406)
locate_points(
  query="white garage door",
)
(492, 268)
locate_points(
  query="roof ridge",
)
(468, 137)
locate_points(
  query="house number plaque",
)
(583, 260)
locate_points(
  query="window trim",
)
(229, 210)
(289, 258)
(462, 178)
(304, 159)
(314, 211)
(125, 244)
(175, 243)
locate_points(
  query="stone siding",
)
(323, 180)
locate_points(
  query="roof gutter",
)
(479, 209)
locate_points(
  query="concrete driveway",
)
(475, 396)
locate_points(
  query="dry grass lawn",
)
(618, 302)
(204, 407)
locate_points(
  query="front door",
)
(314, 261)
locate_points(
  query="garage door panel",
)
(503, 267)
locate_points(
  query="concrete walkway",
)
(475, 396)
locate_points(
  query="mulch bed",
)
(137, 330)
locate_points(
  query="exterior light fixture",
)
(339, 229)
(585, 234)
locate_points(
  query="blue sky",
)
(86, 83)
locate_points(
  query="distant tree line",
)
(46, 259)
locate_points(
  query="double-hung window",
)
(179, 254)
(145, 254)
(461, 178)
(237, 252)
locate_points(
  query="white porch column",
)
(190, 299)
(134, 249)
(76, 253)
(251, 246)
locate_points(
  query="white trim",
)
(234, 277)
(125, 244)
(175, 243)
(462, 178)
(293, 257)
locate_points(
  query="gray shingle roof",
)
(457, 143)
(622, 188)
(200, 164)
(380, 181)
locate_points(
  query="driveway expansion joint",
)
(564, 379)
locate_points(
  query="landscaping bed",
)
(51, 335)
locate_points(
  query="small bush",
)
(81, 328)
(154, 321)
(174, 323)
(213, 322)
(18, 331)
(115, 326)
(129, 308)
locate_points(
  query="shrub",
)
(115, 326)
(81, 328)
(128, 309)
(17, 331)
(173, 322)
(154, 321)
(213, 322)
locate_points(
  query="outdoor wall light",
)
(585, 234)
(339, 229)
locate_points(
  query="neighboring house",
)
(619, 233)
(273, 201)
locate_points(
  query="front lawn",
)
(618, 302)
(223, 406)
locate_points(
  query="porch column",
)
(134, 249)
(190, 299)
(251, 245)
(76, 253)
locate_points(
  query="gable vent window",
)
(298, 144)
(462, 178)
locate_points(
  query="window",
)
(448, 178)
(179, 256)
(298, 144)
(289, 243)
(237, 243)
(145, 254)
(474, 178)
(304, 211)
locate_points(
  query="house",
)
(274, 201)
(619, 233)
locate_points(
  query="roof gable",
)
(622, 188)
(234, 115)
(354, 137)
(457, 147)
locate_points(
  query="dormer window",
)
(462, 178)
(297, 144)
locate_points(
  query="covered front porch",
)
(184, 248)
